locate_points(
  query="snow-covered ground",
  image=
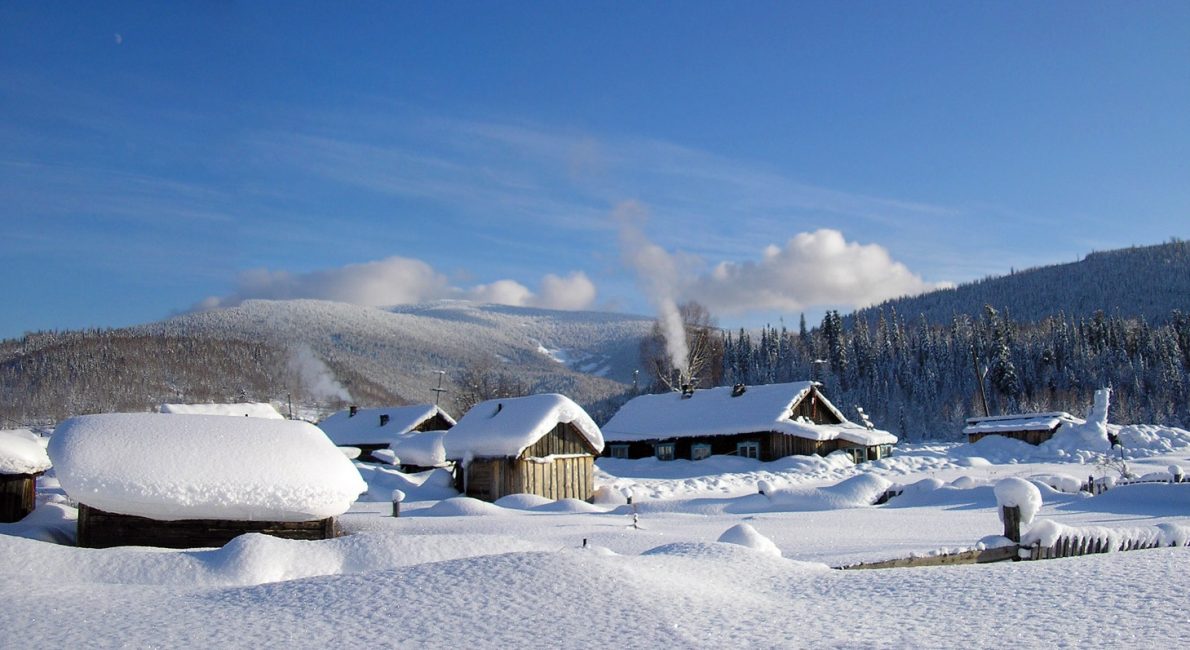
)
(454, 572)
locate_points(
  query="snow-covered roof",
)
(21, 452)
(203, 467)
(1019, 422)
(249, 409)
(506, 426)
(716, 412)
(422, 448)
(364, 427)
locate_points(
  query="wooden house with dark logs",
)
(185, 481)
(22, 460)
(764, 422)
(372, 429)
(539, 444)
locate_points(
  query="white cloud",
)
(816, 269)
(573, 292)
(402, 281)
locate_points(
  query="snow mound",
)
(174, 467)
(421, 448)
(568, 505)
(1059, 482)
(608, 495)
(522, 501)
(21, 452)
(1015, 492)
(462, 507)
(746, 535)
(856, 492)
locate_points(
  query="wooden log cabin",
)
(372, 429)
(185, 481)
(763, 422)
(1033, 428)
(539, 444)
(22, 460)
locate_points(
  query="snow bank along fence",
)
(1100, 485)
(1048, 540)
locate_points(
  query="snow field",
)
(710, 562)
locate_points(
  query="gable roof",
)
(506, 426)
(716, 412)
(364, 427)
(1020, 422)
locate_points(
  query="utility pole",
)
(983, 398)
(439, 390)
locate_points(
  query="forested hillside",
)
(918, 379)
(322, 355)
(1140, 282)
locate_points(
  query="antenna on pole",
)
(439, 390)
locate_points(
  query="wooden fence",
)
(1069, 542)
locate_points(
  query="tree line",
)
(921, 380)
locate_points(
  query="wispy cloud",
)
(401, 281)
(566, 181)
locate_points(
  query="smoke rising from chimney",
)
(657, 275)
(316, 378)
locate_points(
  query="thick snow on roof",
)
(203, 467)
(21, 452)
(715, 412)
(1019, 422)
(422, 448)
(250, 409)
(364, 427)
(505, 427)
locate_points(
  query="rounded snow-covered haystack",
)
(185, 467)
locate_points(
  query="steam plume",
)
(657, 275)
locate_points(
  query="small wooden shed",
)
(372, 429)
(539, 444)
(765, 422)
(1033, 428)
(184, 481)
(22, 460)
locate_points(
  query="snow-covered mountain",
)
(587, 354)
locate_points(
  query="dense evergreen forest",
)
(921, 380)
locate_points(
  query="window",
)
(665, 451)
(860, 454)
(699, 451)
(618, 451)
(748, 449)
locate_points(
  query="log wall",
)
(100, 529)
(18, 496)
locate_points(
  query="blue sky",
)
(763, 158)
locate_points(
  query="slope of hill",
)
(321, 352)
(1141, 281)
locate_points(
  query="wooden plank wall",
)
(563, 478)
(18, 496)
(100, 529)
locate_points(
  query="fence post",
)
(1012, 522)
(398, 497)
